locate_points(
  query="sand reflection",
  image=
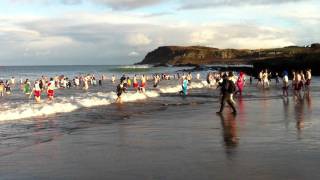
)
(229, 132)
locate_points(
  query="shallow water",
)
(160, 135)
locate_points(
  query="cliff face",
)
(196, 55)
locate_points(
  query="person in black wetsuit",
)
(227, 89)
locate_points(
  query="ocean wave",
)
(65, 105)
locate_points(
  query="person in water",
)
(135, 83)
(308, 81)
(143, 84)
(27, 87)
(2, 88)
(113, 79)
(50, 90)
(120, 90)
(285, 86)
(36, 92)
(184, 90)
(227, 89)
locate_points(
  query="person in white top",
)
(285, 81)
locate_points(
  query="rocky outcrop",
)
(292, 57)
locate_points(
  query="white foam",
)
(65, 105)
(178, 88)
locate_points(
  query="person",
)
(227, 89)
(120, 90)
(240, 83)
(100, 82)
(184, 90)
(265, 79)
(7, 87)
(277, 78)
(36, 91)
(2, 88)
(143, 84)
(189, 77)
(308, 80)
(50, 90)
(285, 81)
(27, 87)
(113, 79)
(297, 85)
(198, 76)
(128, 81)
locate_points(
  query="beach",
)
(170, 137)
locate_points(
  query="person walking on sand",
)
(227, 89)
(240, 83)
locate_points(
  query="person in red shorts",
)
(36, 92)
(50, 90)
(135, 83)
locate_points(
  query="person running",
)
(265, 79)
(227, 89)
(135, 83)
(36, 92)
(128, 81)
(308, 80)
(2, 88)
(120, 90)
(8, 88)
(50, 90)
(184, 90)
(240, 83)
(143, 84)
(198, 76)
(113, 79)
(27, 87)
(285, 86)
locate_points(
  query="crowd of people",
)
(230, 85)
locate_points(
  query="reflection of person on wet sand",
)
(299, 115)
(229, 128)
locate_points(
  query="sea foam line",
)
(65, 105)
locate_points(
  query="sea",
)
(263, 116)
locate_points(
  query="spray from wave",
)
(65, 105)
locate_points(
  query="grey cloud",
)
(127, 4)
(190, 4)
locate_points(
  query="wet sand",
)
(268, 139)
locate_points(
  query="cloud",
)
(127, 4)
(138, 40)
(190, 4)
(133, 54)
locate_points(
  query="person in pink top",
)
(240, 83)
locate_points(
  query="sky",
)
(103, 32)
